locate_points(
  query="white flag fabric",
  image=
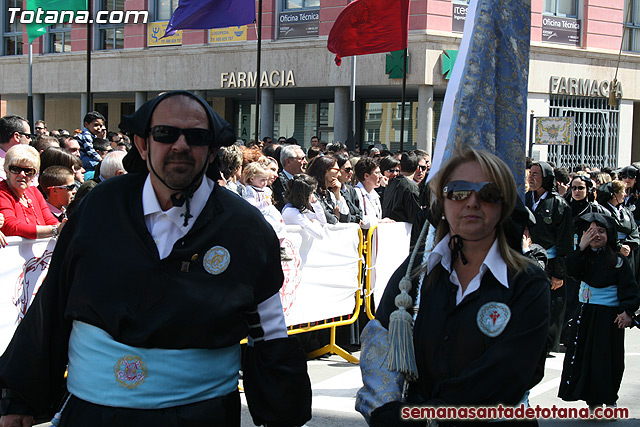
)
(390, 247)
(23, 266)
(322, 279)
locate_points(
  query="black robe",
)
(594, 361)
(459, 365)
(106, 272)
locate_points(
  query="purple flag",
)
(207, 14)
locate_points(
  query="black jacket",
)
(141, 300)
(401, 200)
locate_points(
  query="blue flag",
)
(485, 105)
(207, 14)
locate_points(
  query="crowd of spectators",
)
(44, 174)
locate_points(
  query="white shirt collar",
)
(151, 205)
(373, 194)
(441, 254)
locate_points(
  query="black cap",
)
(138, 124)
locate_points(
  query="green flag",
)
(49, 12)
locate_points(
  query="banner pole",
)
(258, 77)
(404, 91)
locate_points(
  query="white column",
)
(425, 118)
(38, 107)
(141, 98)
(341, 113)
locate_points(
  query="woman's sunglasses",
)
(27, 171)
(170, 134)
(461, 190)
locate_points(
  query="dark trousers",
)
(219, 411)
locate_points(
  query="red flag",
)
(370, 26)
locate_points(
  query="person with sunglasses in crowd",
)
(24, 208)
(581, 197)
(480, 307)
(346, 189)
(155, 338)
(14, 130)
(629, 175)
(554, 232)
(390, 168)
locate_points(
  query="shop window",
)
(596, 125)
(111, 36)
(164, 9)
(565, 8)
(382, 122)
(11, 32)
(631, 42)
(59, 38)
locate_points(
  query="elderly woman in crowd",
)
(482, 308)
(25, 211)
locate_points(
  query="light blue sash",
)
(601, 296)
(622, 236)
(109, 373)
(551, 252)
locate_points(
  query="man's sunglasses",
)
(461, 190)
(27, 135)
(27, 171)
(393, 170)
(624, 176)
(422, 168)
(69, 187)
(170, 134)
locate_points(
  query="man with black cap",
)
(155, 340)
(553, 231)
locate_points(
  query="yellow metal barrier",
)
(368, 293)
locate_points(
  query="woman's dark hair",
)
(299, 188)
(342, 159)
(365, 165)
(388, 163)
(318, 169)
(54, 156)
(591, 193)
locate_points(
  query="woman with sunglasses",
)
(25, 211)
(482, 308)
(326, 171)
(629, 175)
(346, 189)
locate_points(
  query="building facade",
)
(574, 59)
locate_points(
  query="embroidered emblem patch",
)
(619, 263)
(492, 318)
(216, 260)
(130, 371)
(586, 294)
